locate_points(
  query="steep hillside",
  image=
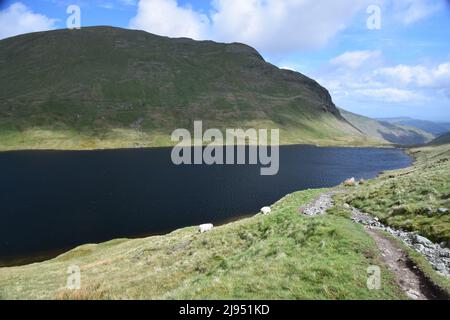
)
(393, 133)
(444, 139)
(435, 128)
(104, 87)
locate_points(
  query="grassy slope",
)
(102, 87)
(436, 128)
(443, 139)
(280, 256)
(410, 198)
(384, 131)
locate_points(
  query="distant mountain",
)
(436, 128)
(443, 139)
(104, 87)
(393, 133)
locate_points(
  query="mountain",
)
(436, 128)
(443, 139)
(393, 133)
(104, 87)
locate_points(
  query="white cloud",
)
(19, 19)
(355, 59)
(391, 94)
(272, 26)
(419, 76)
(165, 17)
(288, 68)
(354, 75)
(411, 11)
(280, 26)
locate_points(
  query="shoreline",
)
(43, 256)
(379, 146)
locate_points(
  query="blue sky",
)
(401, 69)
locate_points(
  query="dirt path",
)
(407, 276)
(396, 260)
(320, 205)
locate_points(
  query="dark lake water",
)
(52, 201)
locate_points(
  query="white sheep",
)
(205, 227)
(266, 210)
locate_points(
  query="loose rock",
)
(437, 256)
(320, 205)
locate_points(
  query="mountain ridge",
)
(442, 139)
(435, 128)
(389, 132)
(105, 87)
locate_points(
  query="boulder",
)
(266, 210)
(422, 240)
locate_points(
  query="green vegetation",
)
(283, 255)
(102, 87)
(412, 199)
(443, 139)
(435, 128)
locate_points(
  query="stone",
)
(440, 267)
(429, 211)
(422, 240)
(445, 253)
(442, 210)
(413, 294)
